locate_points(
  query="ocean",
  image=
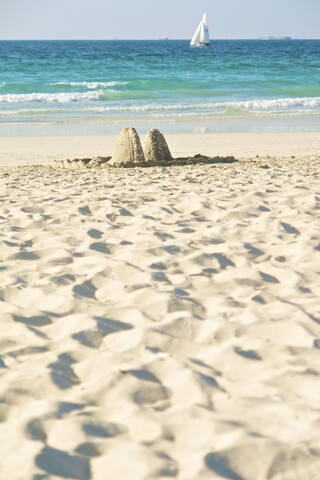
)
(98, 87)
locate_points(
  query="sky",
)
(137, 19)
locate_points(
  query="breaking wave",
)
(258, 104)
(90, 85)
(232, 107)
(131, 101)
(63, 97)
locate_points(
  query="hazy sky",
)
(105, 19)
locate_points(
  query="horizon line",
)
(262, 37)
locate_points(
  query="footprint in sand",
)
(268, 278)
(100, 247)
(253, 251)
(89, 338)
(88, 449)
(35, 431)
(103, 429)
(85, 289)
(289, 228)
(62, 464)
(94, 233)
(68, 407)
(85, 210)
(62, 373)
(34, 321)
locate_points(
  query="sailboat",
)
(201, 35)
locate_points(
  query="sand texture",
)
(160, 322)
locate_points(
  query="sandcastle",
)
(155, 147)
(128, 150)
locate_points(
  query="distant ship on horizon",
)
(273, 37)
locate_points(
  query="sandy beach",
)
(160, 322)
(46, 149)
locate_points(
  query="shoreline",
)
(45, 150)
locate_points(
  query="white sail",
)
(196, 37)
(206, 29)
(201, 35)
(204, 18)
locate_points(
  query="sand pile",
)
(129, 152)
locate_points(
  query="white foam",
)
(90, 85)
(63, 97)
(35, 111)
(259, 104)
(149, 107)
(255, 105)
(250, 105)
(2, 84)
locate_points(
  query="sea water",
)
(94, 87)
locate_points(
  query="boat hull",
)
(200, 45)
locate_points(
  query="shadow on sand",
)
(103, 162)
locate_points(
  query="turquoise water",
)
(72, 87)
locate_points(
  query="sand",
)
(30, 150)
(160, 322)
